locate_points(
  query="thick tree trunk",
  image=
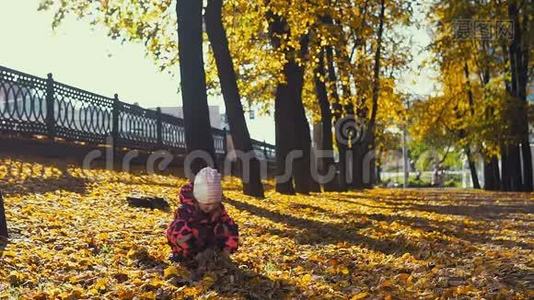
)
(514, 167)
(507, 158)
(198, 135)
(519, 52)
(252, 185)
(325, 143)
(489, 180)
(284, 138)
(359, 150)
(283, 114)
(303, 180)
(511, 167)
(3, 221)
(292, 128)
(491, 174)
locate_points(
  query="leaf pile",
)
(73, 236)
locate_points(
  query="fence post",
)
(115, 128)
(3, 221)
(50, 120)
(159, 127)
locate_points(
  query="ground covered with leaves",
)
(74, 236)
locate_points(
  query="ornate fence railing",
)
(31, 105)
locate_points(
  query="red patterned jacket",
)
(193, 231)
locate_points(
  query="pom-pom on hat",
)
(207, 186)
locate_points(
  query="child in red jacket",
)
(201, 222)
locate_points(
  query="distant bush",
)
(413, 182)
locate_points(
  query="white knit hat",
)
(207, 186)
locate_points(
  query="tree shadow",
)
(310, 207)
(316, 232)
(482, 210)
(354, 202)
(478, 207)
(486, 211)
(454, 229)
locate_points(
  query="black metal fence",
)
(31, 105)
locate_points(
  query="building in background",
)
(217, 119)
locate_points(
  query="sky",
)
(415, 80)
(85, 57)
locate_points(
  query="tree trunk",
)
(506, 139)
(359, 151)
(343, 166)
(252, 185)
(303, 180)
(495, 171)
(519, 52)
(198, 135)
(492, 179)
(376, 90)
(337, 112)
(526, 152)
(292, 131)
(371, 168)
(472, 168)
(511, 167)
(325, 143)
(489, 180)
(491, 174)
(284, 138)
(514, 167)
(505, 167)
(292, 128)
(3, 221)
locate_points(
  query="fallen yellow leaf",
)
(359, 296)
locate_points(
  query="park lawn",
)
(73, 236)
